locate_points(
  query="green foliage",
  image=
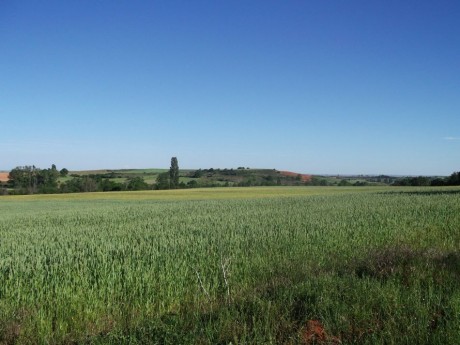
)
(163, 181)
(197, 173)
(250, 266)
(414, 181)
(137, 183)
(454, 179)
(192, 184)
(63, 172)
(174, 173)
(106, 185)
(317, 181)
(30, 180)
(344, 183)
(80, 185)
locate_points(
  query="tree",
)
(162, 181)
(454, 179)
(64, 172)
(344, 182)
(137, 183)
(47, 180)
(88, 184)
(174, 173)
(24, 178)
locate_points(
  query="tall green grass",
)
(253, 266)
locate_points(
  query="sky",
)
(322, 87)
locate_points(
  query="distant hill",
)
(204, 177)
(144, 179)
(303, 177)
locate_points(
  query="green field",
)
(371, 265)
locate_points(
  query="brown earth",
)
(314, 333)
(3, 176)
(303, 177)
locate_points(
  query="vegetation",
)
(263, 265)
(31, 180)
(452, 180)
(174, 173)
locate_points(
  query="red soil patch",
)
(303, 177)
(314, 333)
(3, 177)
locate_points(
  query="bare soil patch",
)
(3, 176)
(303, 177)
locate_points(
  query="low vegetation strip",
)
(199, 193)
(340, 266)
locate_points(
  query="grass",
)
(149, 175)
(142, 171)
(202, 193)
(232, 265)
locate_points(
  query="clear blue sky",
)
(332, 87)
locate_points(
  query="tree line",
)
(32, 180)
(418, 181)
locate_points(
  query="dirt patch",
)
(303, 177)
(4, 176)
(314, 333)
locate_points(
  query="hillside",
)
(49, 181)
(202, 177)
(234, 177)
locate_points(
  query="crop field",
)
(265, 265)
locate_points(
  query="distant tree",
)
(343, 183)
(316, 181)
(47, 180)
(192, 184)
(438, 182)
(197, 173)
(63, 172)
(89, 184)
(413, 181)
(24, 179)
(137, 183)
(420, 181)
(73, 185)
(174, 173)
(107, 185)
(162, 181)
(29, 179)
(454, 179)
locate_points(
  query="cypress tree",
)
(174, 173)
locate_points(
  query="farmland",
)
(265, 265)
(3, 176)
